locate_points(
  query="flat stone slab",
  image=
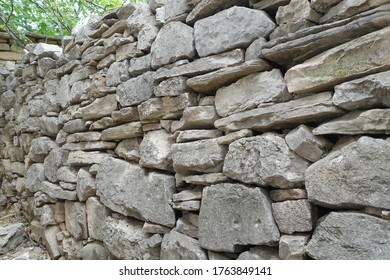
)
(10, 237)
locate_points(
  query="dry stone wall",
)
(211, 129)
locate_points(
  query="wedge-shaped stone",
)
(101, 107)
(76, 219)
(206, 179)
(97, 214)
(55, 159)
(197, 134)
(124, 131)
(365, 55)
(200, 117)
(81, 158)
(270, 5)
(175, 10)
(204, 156)
(313, 108)
(128, 189)
(350, 236)
(375, 121)
(232, 28)
(264, 160)
(323, 6)
(11, 236)
(212, 81)
(365, 93)
(251, 91)
(117, 73)
(233, 216)
(55, 191)
(136, 90)
(355, 175)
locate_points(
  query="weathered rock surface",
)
(136, 193)
(197, 134)
(136, 90)
(323, 6)
(86, 186)
(199, 117)
(76, 219)
(350, 236)
(232, 216)
(188, 224)
(55, 159)
(35, 175)
(80, 158)
(94, 251)
(288, 194)
(260, 253)
(206, 179)
(129, 149)
(292, 247)
(270, 5)
(101, 107)
(97, 214)
(353, 176)
(55, 191)
(124, 131)
(10, 237)
(232, 28)
(264, 160)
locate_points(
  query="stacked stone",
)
(211, 129)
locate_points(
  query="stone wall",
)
(225, 130)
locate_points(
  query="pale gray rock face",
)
(100, 107)
(155, 150)
(44, 65)
(175, 9)
(292, 247)
(264, 160)
(124, 131)
(40, 148)
(175, 41)
(260, 253)
(254, 51)
(94, 251)
(73, 126)
(127, 51)
(151, 110)
(232, 28)
(140, 18)
(270, 5)
(7, 100)
(188, 224)
(177, 246)
(125, 239)
(199, 117)
(35, 176)
(140, 65)
(146, 37)
(84, 137)
(81, 158)
(355, 175)
(294, 216)
(136, 90)
(365, 93)
(50, 126)
(117, 73)
(174, 106)
(204, 156)
(97, 214)
(251, 91)
(86, 186)
(127, 188)
(375, 121)
(129, 149)
(350, 236)
(76, 219)
(323, 6)
(67, 174)
(197, 134)
(55, 191)
(47, 215)
(171, 87)
(56, 158)
(232, 216)
(50, 241)
(10, 237)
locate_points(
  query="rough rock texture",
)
(260, 253)
(135, 90)
(10, 237)
(350, 236)
(233, 215)
(292, 247)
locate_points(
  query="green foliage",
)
(54, 18)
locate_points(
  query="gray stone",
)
(294, 216)
(155, 150)
(175, 9)
(232, 28)
(96, 53)
(309, 146)
(140, 65)
(126, 11)
(135, 192)
(155, 4)
(127, 51)
(100, 107)
(41, 199)
(72, 248)
(172, 87)
(67, 174)
(141, 18)
(213, 81)
(175, 41)
(350, 236)
(47, 216)
(69, 187)
(270, 6)
(187, 195)
(50, 241)
(354, 175)
(125, 239)
(117, 73)
(124, 131)
(206, 179)
(44, 65)
(125, 115)
(11, 236)
(233, 216)
(289, 194)
(204, 156)
(50, 126)
(177, 246)
(365, 93)
(254, 51)
(76, 219)
(89, 146)
(321, 72)
(59, 212)
(151, 110)
(47, 50)
(136, 90)
(55, 191)
(231, 137)
(35, 175)
(375, 121)
(260, 253)
(198, 134)
(264, 160)
(84, 137)
(86, 186)
(315, 108)
(94, 251)
(154, 228)
(129, 149)
(193, 205)
(250, 92)
(103, 123)
(7, 100)
(73, 126)
(188, 225)
(56, 158)
(29, 73)
(146, 37)
(323, 6)
(81, 158)
(200, 117)
(174, 106)
(293, 247)
(97, 214)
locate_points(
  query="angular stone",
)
(50, 241)
(136, 90)
(177, 246)
(193, 205)
(103, 123)
(231, 137)
(289, 194)
(250, 92)
(55, 191)
(206, 179)
(97, 214)
(117, 27)
(174, 106)
(176, 9)
(323, 6)
(35, 176)
(353, 176)
(124, 131)
(175, 41)
(80, 158)
(59, 212)
(76, 219)
(260, 253)
(211, 7)
(74, 126)
(315, 108)
(353, 61)
(129, 149)
(204, 156)
(47, 216)
(294, 216)
(127, 51)
(96, 53)
(155, 150)
(350, 236)
(188, 225)
(125, 239)
(266, 161)
(202, 65)
(171, 87)
(56, 158)
(199, 134)
(7, 100)
(84, 137)
(232, 28)
(309, 146)
(270, 6)
(86, 186)
(47, 50)
(67, 174)
(11, 236)
(154, 228)
(254, 51)
(136, 193)
(151, 110)
(44, 65)
(375, 121)
(293, 247)
(128, 114)
(94, 251)
(117, 73)
(40, 148)
(141, 18)
(146, 37)
(140, 65)
(49, 126)
(233, 216)
(100, 107)
(200, 117)
(365, 93)
(212, 81)
(29, 73)
(90, 146)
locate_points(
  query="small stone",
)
(125, 115)
(96, 217)
(84, 137)
(155, 229)
(293, 247)
(86, 186)
(200, 117)
(188, 224)
(289, 194)
(50, 242)
(67, 174)
(80, 158)
(76, 219)
(94, 251)
(55, 191)
(199, 134)
(171, 87)
(100, 107)
(206, 179)
(124, 131)
(260, 253)
(193, 205)
(129, 149)
(231, 137)
(55, 159)
(10, 237)
(136, 90)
